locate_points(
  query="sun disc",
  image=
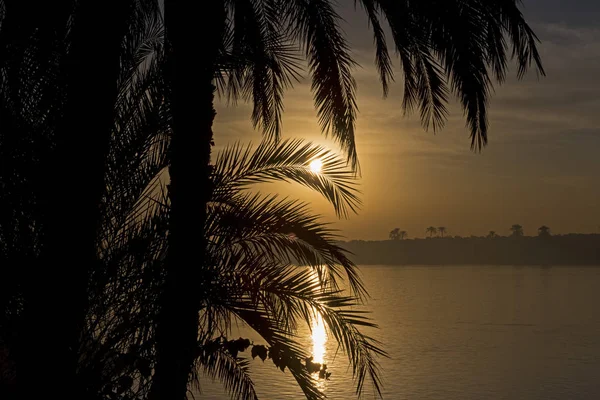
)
(315, 166)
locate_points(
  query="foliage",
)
(544, 231)
(256, 246)
(397, 234)
(454, 47)
(432, 230)
(517, 230)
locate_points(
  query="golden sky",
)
(541, 167)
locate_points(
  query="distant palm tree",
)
(431, 230)
(402, 235)
(492, 235)
(395, 234)
(544, 231)
(517, 230)
(442, 230)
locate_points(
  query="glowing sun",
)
(315, 166)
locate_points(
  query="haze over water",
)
(469, 333)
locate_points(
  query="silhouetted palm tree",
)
(517, 230)
(492, 234)
(255, 240)
(402, 235)
(59, 89)
(394, 234)
(544, 231)
(444, 47)
(441, 230)
(431, 230)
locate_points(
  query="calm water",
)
(469, 333)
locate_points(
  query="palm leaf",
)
(237, 167)
(315, 25)
(258, 62)
(285, 231)
(231, 372)
(462, 39)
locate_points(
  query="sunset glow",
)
(316, 165)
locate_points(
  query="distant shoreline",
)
(563, 250)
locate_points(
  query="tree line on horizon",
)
(565, 250)
(441, 231)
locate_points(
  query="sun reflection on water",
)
(317, 363)
(319, 339)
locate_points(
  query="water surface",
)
(468, 333)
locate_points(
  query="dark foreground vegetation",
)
(571, 249)
(128, 249)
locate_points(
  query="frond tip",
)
(453, 46)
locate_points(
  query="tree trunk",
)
(190, 187)
(71, 191)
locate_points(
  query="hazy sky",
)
(542, 164)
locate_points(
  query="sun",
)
(316, 165)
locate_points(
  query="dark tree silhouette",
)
(253, 239)
(443, 47)
(431, 230)
(492, 234)
(59, 87)
(397, 234)
(544, 231)
(441, 230)
(517, 230)
(566, 250)
(118, 346)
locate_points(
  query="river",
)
(469, 332)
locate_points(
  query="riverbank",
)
(574, 249)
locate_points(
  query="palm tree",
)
(58, 80)
(255, 240)
(517, 230)
(441, 230)
(413, 40)
(492, 234)
(544, 231)
(403, 235)
(431, 230)
(395, 234)
(444, 47)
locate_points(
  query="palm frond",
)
(287, 352)
(523, 40)
(382, 56)
(463, 39)
(302, 295)
(258, 61)
(237, 167)
(290, 294)
(232, 372)
(458, 43)
(315, 25)
(285, 231)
